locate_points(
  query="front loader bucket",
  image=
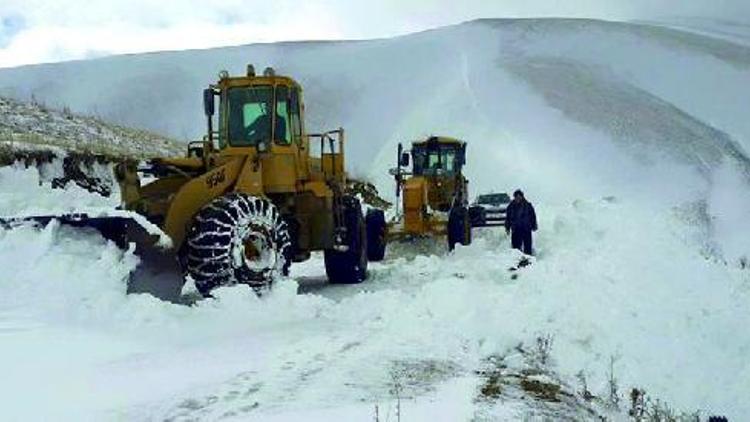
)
(158, 272)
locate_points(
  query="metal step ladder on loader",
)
(245, 203)
(435, 196)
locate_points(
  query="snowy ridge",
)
(631, 140)
(733, 31)
(32, 127)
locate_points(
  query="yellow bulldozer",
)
(435, 196)
(258, 193)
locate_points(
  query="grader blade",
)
(158, 272)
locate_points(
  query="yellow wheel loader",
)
(435, 196)
(258, 193)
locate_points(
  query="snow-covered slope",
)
(730, 30)
(632, 141)
(31, 126)
(349, 82)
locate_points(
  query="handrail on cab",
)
(332, 137)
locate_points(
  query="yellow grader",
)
(258, 193)
(435, 196)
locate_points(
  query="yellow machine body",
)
(298, 182)
(434, 185)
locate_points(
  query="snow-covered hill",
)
(588, 104)
(733, 31)
(632, 140)
(31, 126)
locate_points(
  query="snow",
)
(599, 292)
(28, 194)
(631, 140)
(733, 31)
(25, 191)
(729, 206)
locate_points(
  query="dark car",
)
(489, 209)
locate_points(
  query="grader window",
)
(249, 119)
(434, 161)
(448, 158)
(419, 156)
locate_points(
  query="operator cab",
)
(256, 111)
(438, 157)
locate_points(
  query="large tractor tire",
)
(459, 227)
(349, 266)
(376, 232)
(237, 239)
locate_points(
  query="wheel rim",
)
(254, 249)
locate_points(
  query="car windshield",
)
(494, 199)
(432, 161)
(249, 118)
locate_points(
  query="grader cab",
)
(434, 192)
(258, 193)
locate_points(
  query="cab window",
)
(294, 107)
(448, 158)
(434, 161)
(247, 115)
(283, 133)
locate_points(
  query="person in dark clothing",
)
(520, 221)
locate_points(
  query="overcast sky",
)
(36, 31)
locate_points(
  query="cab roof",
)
(233, 81)
(442, 140)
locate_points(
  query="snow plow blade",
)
(158, 272)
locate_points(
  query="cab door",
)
(281, 169)
(300, 141)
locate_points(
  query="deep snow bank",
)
(661, 306)
(27, 191)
